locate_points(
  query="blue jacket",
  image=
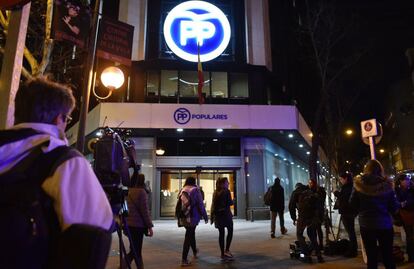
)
(374, 200)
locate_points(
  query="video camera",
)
(113, 158)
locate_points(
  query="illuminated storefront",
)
(238, 132)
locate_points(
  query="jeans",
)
(189, 241)
(349, 224)
(273, 215)
(384, 238)
(228, 240)
(137, 235)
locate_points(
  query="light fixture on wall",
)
(160, 152)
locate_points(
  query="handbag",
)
(407, 216)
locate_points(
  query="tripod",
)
(122, 226)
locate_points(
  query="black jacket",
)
(374, 200)
(343, 200)
(294, 201)
(278, 198)
(406, 196)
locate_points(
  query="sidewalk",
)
(251, 246)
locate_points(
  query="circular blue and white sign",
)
(182, 115)
(197, 22)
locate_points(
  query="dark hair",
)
(138, 180)
(277, 181)
(400, 178)
(299, 184)
(219, 183)
(42, 100)
(374, 167)
(347, 176)
(190, 181)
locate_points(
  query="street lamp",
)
(382, 151)
(349, 132)
(160, 151)
(112, 78)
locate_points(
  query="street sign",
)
(115, 41)
(377, 138)
(371, 133)
(369, 128)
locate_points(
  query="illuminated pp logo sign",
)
(195, 22)
(182, 115)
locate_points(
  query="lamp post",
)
(87, 81)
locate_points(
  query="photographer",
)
(34, 156)
(347, 214)
(139, 219)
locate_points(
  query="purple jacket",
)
(198, 210)
(138, 215)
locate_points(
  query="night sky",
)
(381, 30)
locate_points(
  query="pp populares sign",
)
(197, 22)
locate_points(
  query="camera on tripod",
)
(113, 158)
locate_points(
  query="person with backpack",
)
(277, 207)
(48, 191)
(222, 217)
(189, 211)
(347, 213)
(138, 219)
(374, 200)
(307, 202)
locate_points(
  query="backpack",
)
(183, 209)
(309, 204)
(267, 198)
(30, 225)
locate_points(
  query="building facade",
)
(242, 130)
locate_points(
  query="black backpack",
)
(267, 198)
(309, 203)
(29, 226)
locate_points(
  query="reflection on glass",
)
(208, 185)
(152, 83)
(170, 187)
(219, 88)
(239, 85)
(189, 84)
(172, 181)
(169, 83)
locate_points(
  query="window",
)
(219, 85)
(153, 83)
(189, 84)
(217, 88)
(197, 146)
(169, 83)
(239, 85)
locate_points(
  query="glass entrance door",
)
(173, 180)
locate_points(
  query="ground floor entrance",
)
(172, 180)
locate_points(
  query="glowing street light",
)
(349, 132)
(160, 152)
(112, 78)
(382, 151)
